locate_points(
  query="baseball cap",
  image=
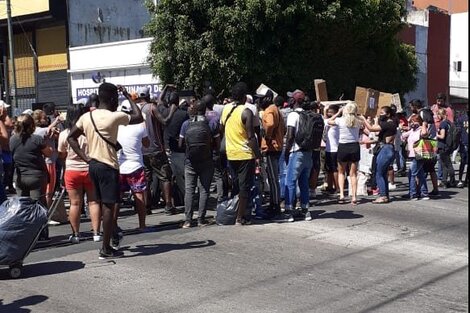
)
(28, 111)
(125, 107)
(4, 104)
(298, 94)
(290, 94)
(143, 92)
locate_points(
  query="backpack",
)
(198, 141)
(310, 133)
(452, 139)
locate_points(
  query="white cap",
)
(125, 106)
(4, 104)
(28, 111)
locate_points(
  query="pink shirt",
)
(411, 137)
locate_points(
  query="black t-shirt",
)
(441, 143)
(27, 155)
(388, 128)
(173, 128)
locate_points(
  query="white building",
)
(458, 75)
(119, 62)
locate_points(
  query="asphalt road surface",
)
(399, 257)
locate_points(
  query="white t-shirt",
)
(130, 156)
(347, 134)
(253, 109)
(331, 138)
(293, 121)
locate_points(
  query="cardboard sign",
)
(320, 90)
(387, 99)
(367, 101)
(262, 89)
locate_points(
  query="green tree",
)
(285, 44)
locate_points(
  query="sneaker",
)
(53, 223)
(169, 211)
(202, 223)
(111, 254)
(375, 191)
(186, 224)
(289, 217)
(434, 193)
(425, 198)
(440, 184)
(308, 216)
(460, 184)
(246, 222)
(74, 238)
(392, 186)
(98, 237)
(116, 241)
(414, 199)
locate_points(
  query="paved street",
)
(399, 257)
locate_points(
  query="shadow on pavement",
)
(443, 194)
(17, 306)
(46, 268)
(340, 214)
(166, 247)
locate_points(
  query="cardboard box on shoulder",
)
(367, 101)
(320, 90)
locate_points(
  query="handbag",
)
(116, 146)
(223, 148)
(425, 149)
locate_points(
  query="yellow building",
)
(40, 52)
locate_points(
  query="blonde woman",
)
(349, 152)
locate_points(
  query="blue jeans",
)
(282, 175)
(417, 172)
(400, 159)
(384, 160)
(298, 170)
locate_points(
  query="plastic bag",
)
(227, 212)
(21, 219)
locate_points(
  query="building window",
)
(458, 66)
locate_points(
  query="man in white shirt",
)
(299, 162)
(131, 163)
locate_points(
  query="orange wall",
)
(452, 6)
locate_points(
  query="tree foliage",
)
(285, 44)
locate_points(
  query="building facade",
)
(40, 53)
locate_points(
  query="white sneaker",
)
(98, 237)
(53, 223)
(392, 186)
(308, 216)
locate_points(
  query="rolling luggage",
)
(21, 222)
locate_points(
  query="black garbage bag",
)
(21, 219)
(227, 212)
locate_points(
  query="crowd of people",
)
(265, 149)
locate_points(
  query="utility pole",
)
(12, 87)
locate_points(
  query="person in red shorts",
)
(77, 179)
(131, 163)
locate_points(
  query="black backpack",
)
(198, 141)
(310, 133)
(452, 138)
